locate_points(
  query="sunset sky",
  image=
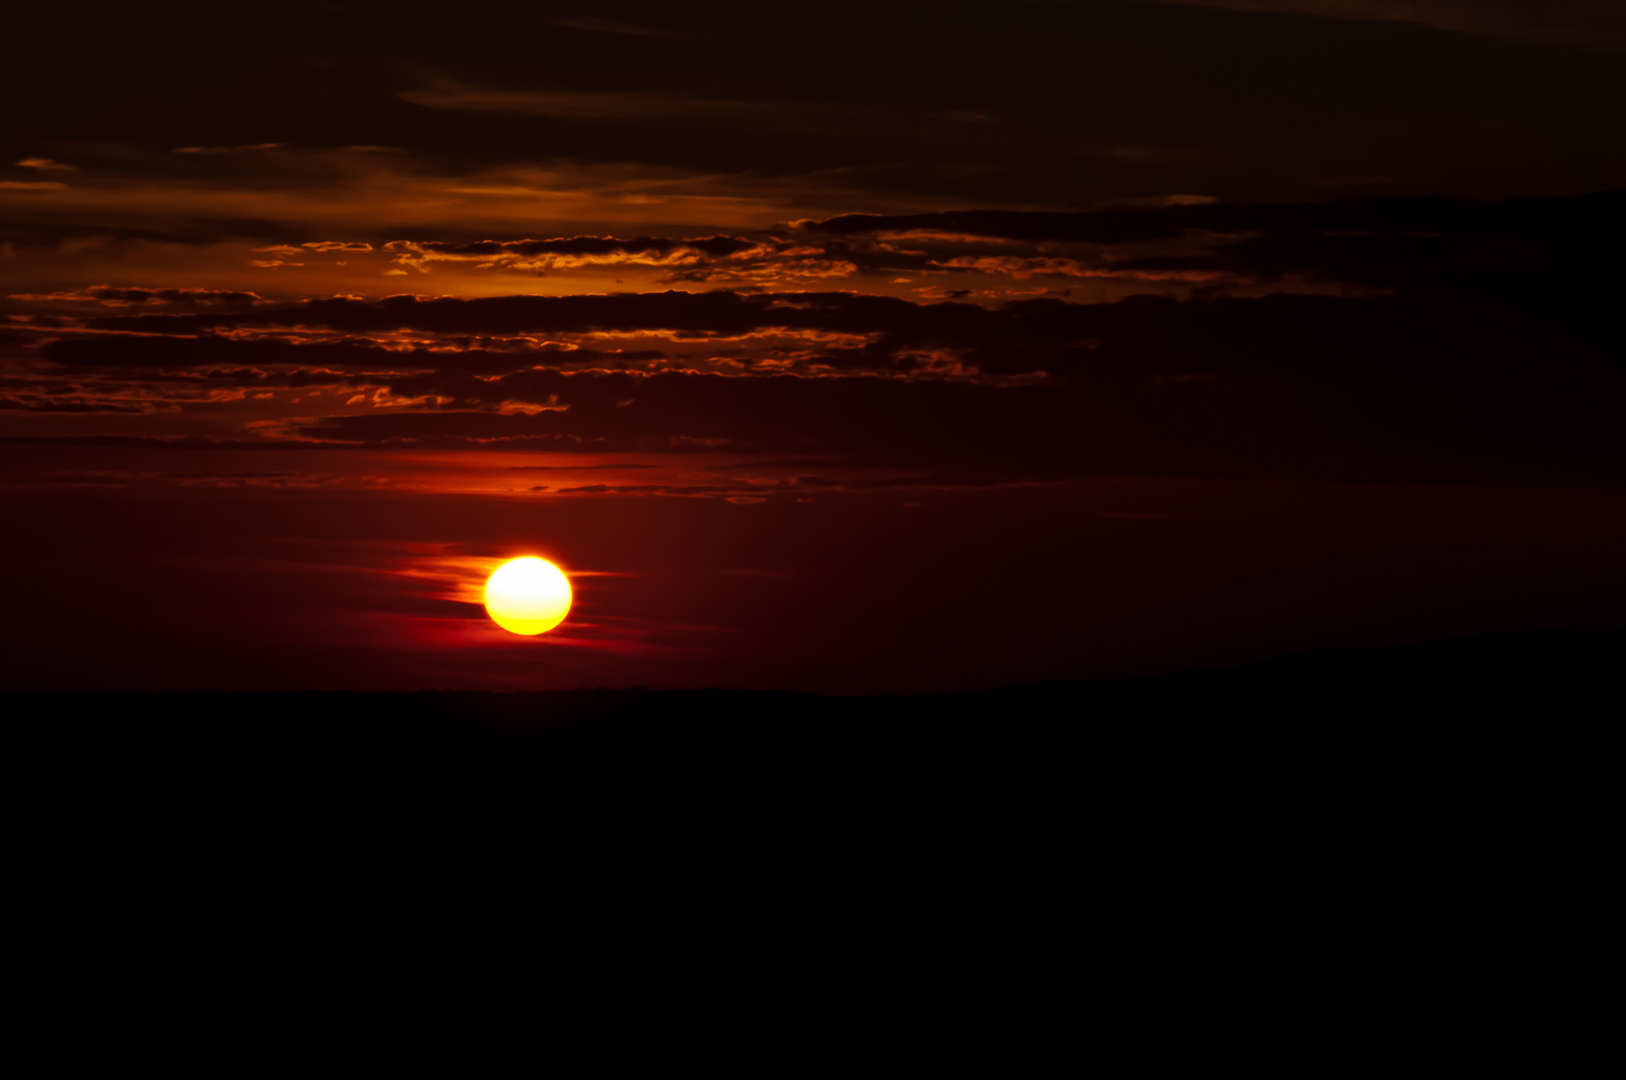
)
(870, 346)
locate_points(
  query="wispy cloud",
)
(576, 105)
(607, 26)
(229, 149)
(46, 165)
(1584, 24)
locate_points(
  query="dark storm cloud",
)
(297, 379)
(1402, 387)
(1101, 227)
(579, 105)
(913, 101)
(1311, 344)
(1420, 385)
(114, 296)
(607, 26)
(1430, 242)
(1422, 429)
(227, 149)
(1577, 24)
(162, 353)
(714, 246)
(169, 442)
(1436, 325)
(720, 312)
(1415, 242)
(57, 405)
(38, 229)
(141, 353)
(1023, 337)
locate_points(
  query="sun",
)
(527, 596)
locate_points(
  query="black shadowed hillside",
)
(1476, 693)
(1358, 799)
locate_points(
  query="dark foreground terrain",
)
(1330, 855)
(1509, 698)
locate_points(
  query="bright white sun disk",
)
(528, 596)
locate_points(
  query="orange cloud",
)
(46, 165)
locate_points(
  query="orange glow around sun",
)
(528, 596)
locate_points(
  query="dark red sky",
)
(854, 347)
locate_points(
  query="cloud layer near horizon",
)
(1427, 339)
